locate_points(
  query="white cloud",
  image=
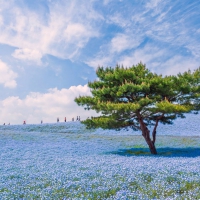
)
(148, 54)
(62, 31)
(123, 42)
(28, 55)
(104, 61)
(110, 53)
(156, 60)
(156, 22)
(119, 20)
(47, 107)
(153, 4)
(179, 64)
(7, 76)
(75, 31)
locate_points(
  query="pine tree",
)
(137, 98)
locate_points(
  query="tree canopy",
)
(137, 98)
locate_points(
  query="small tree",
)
(137, 98)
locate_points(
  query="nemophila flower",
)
(65, 161)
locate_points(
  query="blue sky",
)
(50, 49)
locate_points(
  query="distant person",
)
(79, 119)
(24, 122)
(65, 119)
(72, 119)
(41, 121)
(58, 119)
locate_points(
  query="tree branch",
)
(155, 127)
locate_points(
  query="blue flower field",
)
(67, 161)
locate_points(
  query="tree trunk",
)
(151, 145)
(146, 135)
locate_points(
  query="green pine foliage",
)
(123, 96)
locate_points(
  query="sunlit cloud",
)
(64, 30)
(154, 32)
(7, 76)
(28, 55)
(44, 106)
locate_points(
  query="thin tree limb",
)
(155, 127)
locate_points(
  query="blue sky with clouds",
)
(50, 49)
